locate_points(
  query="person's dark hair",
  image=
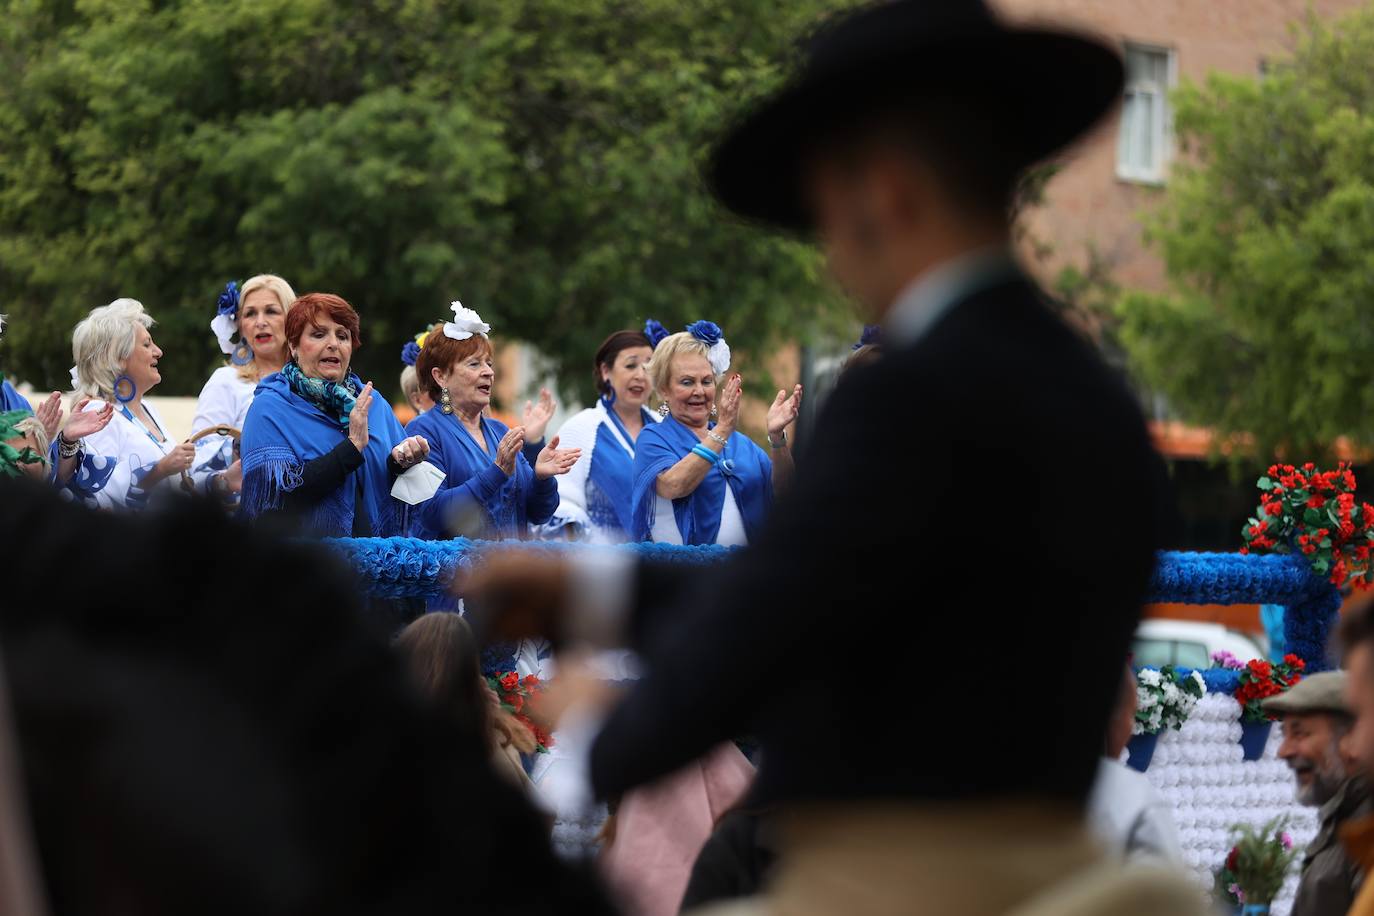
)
(610, 348)
(1357, 626)
(866, 355)
(188, 748)
(446, 666)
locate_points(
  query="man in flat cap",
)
(1315, 724)
(1023, 460)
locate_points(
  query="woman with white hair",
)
(133, 456)
(696, 480)
(255, 314)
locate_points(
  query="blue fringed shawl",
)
(283, 431)
(744, 467)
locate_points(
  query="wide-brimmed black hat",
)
(1044, 87)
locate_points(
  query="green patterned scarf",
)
(10, 457)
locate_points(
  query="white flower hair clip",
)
(465, 323)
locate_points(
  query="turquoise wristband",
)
(702, 451)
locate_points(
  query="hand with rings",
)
(411, 452)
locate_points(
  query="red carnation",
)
(1316, 502)
(510, 680)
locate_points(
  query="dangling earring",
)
(124, 389)
(607, 393)
(663, 410)
(445, 405)
(242, 355)
(714, 412)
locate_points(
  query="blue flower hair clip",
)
(872, 336)
(718, 351)
(410, 353)
(655, 332)
(225, 324)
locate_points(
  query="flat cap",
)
(1320, 692)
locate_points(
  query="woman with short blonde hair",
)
(132, 456)
(255, 313)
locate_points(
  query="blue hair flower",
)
(410, 353)
(228, 303)
(655, 331)
(708, 332)
(872, 336)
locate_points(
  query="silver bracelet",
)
(712, 435)
(67, 448)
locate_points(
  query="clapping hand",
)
(509, 448)
(87, 423)
(536, 416)
(411, 452)
(49, 413)
(553, 460)
(357, 418)
(783, 412)
(728, 407)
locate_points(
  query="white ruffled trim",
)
(76, 379)
(465, 323)
(719, 357)
(224, 326)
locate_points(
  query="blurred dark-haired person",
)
(194, 752)
(317, 444)
(1315, 725)
(445, 664)
(490, 489)
(1356, 639)
(897, 145)
(594, 496)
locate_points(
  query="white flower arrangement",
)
(465, 323)
(1164, 699)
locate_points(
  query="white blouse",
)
(224, 401)
(120, 456)
(731, 532)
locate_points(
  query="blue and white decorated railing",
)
(408, 567)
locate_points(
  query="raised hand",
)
(411, 452)
(509, 448)
(85, 423)
(357, 418)
(730, 396)
(49, 413)
(553, 460)
(537, 416)
(783, 412)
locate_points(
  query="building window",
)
(1143, 149)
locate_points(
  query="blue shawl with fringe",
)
(744, 467)
(283, 431)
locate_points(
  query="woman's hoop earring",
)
(242, 355)
(124, 389)
(445, 405)
(663, 410)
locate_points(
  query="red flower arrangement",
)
(1260, 679)
(1315, 512)
(517, 696)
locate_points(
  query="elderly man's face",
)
(1311, 747)
(1359, 697)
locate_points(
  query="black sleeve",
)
(393, 467)
(323, 475)
(732, 864)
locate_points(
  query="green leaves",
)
(1267, 233)
(539, 160)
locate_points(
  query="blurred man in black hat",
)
(1021, 464)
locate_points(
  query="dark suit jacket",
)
(942, 604)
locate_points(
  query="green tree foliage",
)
(538, 159)
(1267, 231)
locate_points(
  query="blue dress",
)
(476, 498)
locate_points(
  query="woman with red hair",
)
(316, 443)
(491, 490)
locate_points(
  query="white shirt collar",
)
(926, 299)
